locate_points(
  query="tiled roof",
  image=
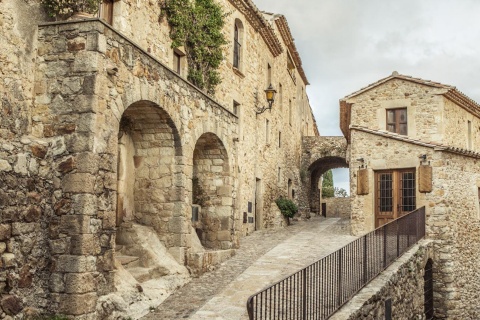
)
(436, 146)
(396, 75)
(284, 29)
(260, 24)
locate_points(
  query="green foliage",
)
(197, 26)
(65, 8)
(287, 207)
(328, 190)
(340, 192)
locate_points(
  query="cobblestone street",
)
(264, 257)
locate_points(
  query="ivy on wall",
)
(197, 26)
(65, 8)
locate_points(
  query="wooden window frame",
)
(237, 46)
(397, 121)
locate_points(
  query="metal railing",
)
(320, 289)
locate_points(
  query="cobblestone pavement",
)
(264, 257)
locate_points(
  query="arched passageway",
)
(148, 143)
(316, 170)
(212, 192)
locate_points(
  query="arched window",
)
(237, 44)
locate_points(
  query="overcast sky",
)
(347, 44)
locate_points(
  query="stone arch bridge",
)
(319, 155)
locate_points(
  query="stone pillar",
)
(82, 233)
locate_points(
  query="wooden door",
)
(106, 11)
(394, 194)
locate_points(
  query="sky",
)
(346, 45)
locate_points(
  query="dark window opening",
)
(236, 48)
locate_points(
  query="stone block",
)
(79, 183)
(75, 224)
(225, 191)
(11, 305)
(109, 220)
(5, 231)
(3, 247)
(96, 42)
(87, 162)
(5, 166)
(85, 62)
(66, 165)
(57, 283)
(60, 246)
(20, 228)
(8, 260)
(224, 235)
(85, 204)
(79, 283)
(77, 304)
(73, 264)
(85, 244)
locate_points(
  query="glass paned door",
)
(395, 194)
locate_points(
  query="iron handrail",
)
(320, 289)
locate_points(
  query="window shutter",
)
(362, 182)
(425, 178)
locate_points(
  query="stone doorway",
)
(212, 193)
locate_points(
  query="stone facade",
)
(99, 136)
(441, 124)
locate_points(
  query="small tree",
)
(341, 193)
(328, 190)
(287, 207)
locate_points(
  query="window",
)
(280, 95)
(237, 44)
(469, 135)
(291, 67)
(290, 112)
(397, 121)
(279, 139)
(178, 60)
(395, 194)
(106, 11)
(267, 122)
(269, 74)
(279, 175)
(236, 105)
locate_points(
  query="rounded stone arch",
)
(316, 170)
(149, 182)
(212, 192)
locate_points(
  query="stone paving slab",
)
(264, 257)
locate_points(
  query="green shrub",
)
(65, 8)
(287, 207)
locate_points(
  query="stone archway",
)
(320, 154)
(148, 143)
(316, 170)
(212, 192)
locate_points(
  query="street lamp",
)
(270, 95)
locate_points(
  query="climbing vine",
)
(59, 8)
(197, 26)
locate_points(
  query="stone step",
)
(141, 274)
(119, 247)
(127, 260)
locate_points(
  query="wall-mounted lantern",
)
(270, 95)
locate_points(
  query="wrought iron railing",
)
(320, 289)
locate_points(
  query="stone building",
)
(109, 157)
(415, 143)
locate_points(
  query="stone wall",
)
(337, 207)
(402, 282)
